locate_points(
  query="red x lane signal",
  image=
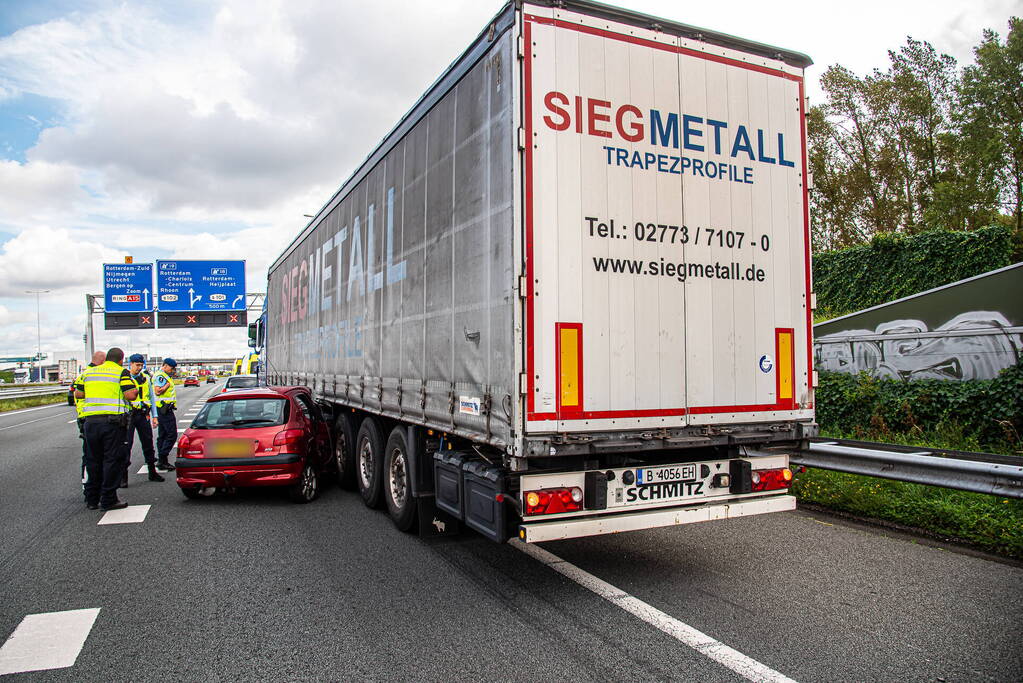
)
(147, 320)
(233, 317)
(190, 319)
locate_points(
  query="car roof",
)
(255, 392)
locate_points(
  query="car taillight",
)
(187, 448)
(289, 437)
(770, 480)
(552, 501)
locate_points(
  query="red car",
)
(192, 381)
(268, 436)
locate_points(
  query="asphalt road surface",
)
(252, 587)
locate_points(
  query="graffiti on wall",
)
(915, 352)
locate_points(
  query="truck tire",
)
(397, 480)
(344, 450)
(369, 463)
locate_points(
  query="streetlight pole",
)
(39, 338)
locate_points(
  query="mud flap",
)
(434, 523)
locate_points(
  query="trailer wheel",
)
(344, 450)
(369, 462)
(398, 481)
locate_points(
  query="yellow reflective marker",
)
(785, 378)
(569, 362)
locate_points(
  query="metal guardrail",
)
(24, 393)
(997, 475)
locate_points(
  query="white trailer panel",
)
(666, 229)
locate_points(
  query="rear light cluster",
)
(186, 449)
(553, 501)
(289, 437)
(770, 480)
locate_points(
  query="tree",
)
(991, 106)
(919, 146)
(855, 166)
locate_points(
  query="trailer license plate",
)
(663, 475)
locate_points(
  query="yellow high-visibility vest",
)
(167, 396)
(104, 387)
(143, 386)
(78, 401)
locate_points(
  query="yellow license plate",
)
(231, 448)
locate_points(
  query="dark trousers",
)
(85, 445)
(167, 426)
(140, 423)
(108, 450)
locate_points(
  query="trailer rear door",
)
(666, 230)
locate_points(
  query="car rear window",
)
(242, 382)
(239, 413)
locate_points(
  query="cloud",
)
(51, 258)
(9, 317)
(37, 190)
(268, 99)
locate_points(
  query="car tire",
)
(307, 487)
(397, 481)
(344, 450)
(369, 463)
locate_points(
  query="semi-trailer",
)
(569, 293)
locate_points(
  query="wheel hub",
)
(366, 464)
(398, 478)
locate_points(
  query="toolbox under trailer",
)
(569, 293)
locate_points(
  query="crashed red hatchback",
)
(269, 436)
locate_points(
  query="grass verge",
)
(7, 404)
(989, 522)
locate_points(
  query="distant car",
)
(240, 382)
(271, 436)
(191, 381)
(210, 379)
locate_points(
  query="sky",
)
(206, 129)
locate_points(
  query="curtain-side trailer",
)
(569, 293)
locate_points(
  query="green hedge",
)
(893, 266)
(987, 414)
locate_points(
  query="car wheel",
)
(398, 481)
(307, 487)
(344, 450)
(369, 462)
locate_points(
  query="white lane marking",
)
(748, 668)
(29, 410)
(22, 424)
(144, 470)
(47, 641)
(133, 514)
(74, 420)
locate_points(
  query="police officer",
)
(108, 391)
(143, 409)
(97, 359)
(166, 404)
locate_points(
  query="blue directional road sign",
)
(200, 285)
(128, 287)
